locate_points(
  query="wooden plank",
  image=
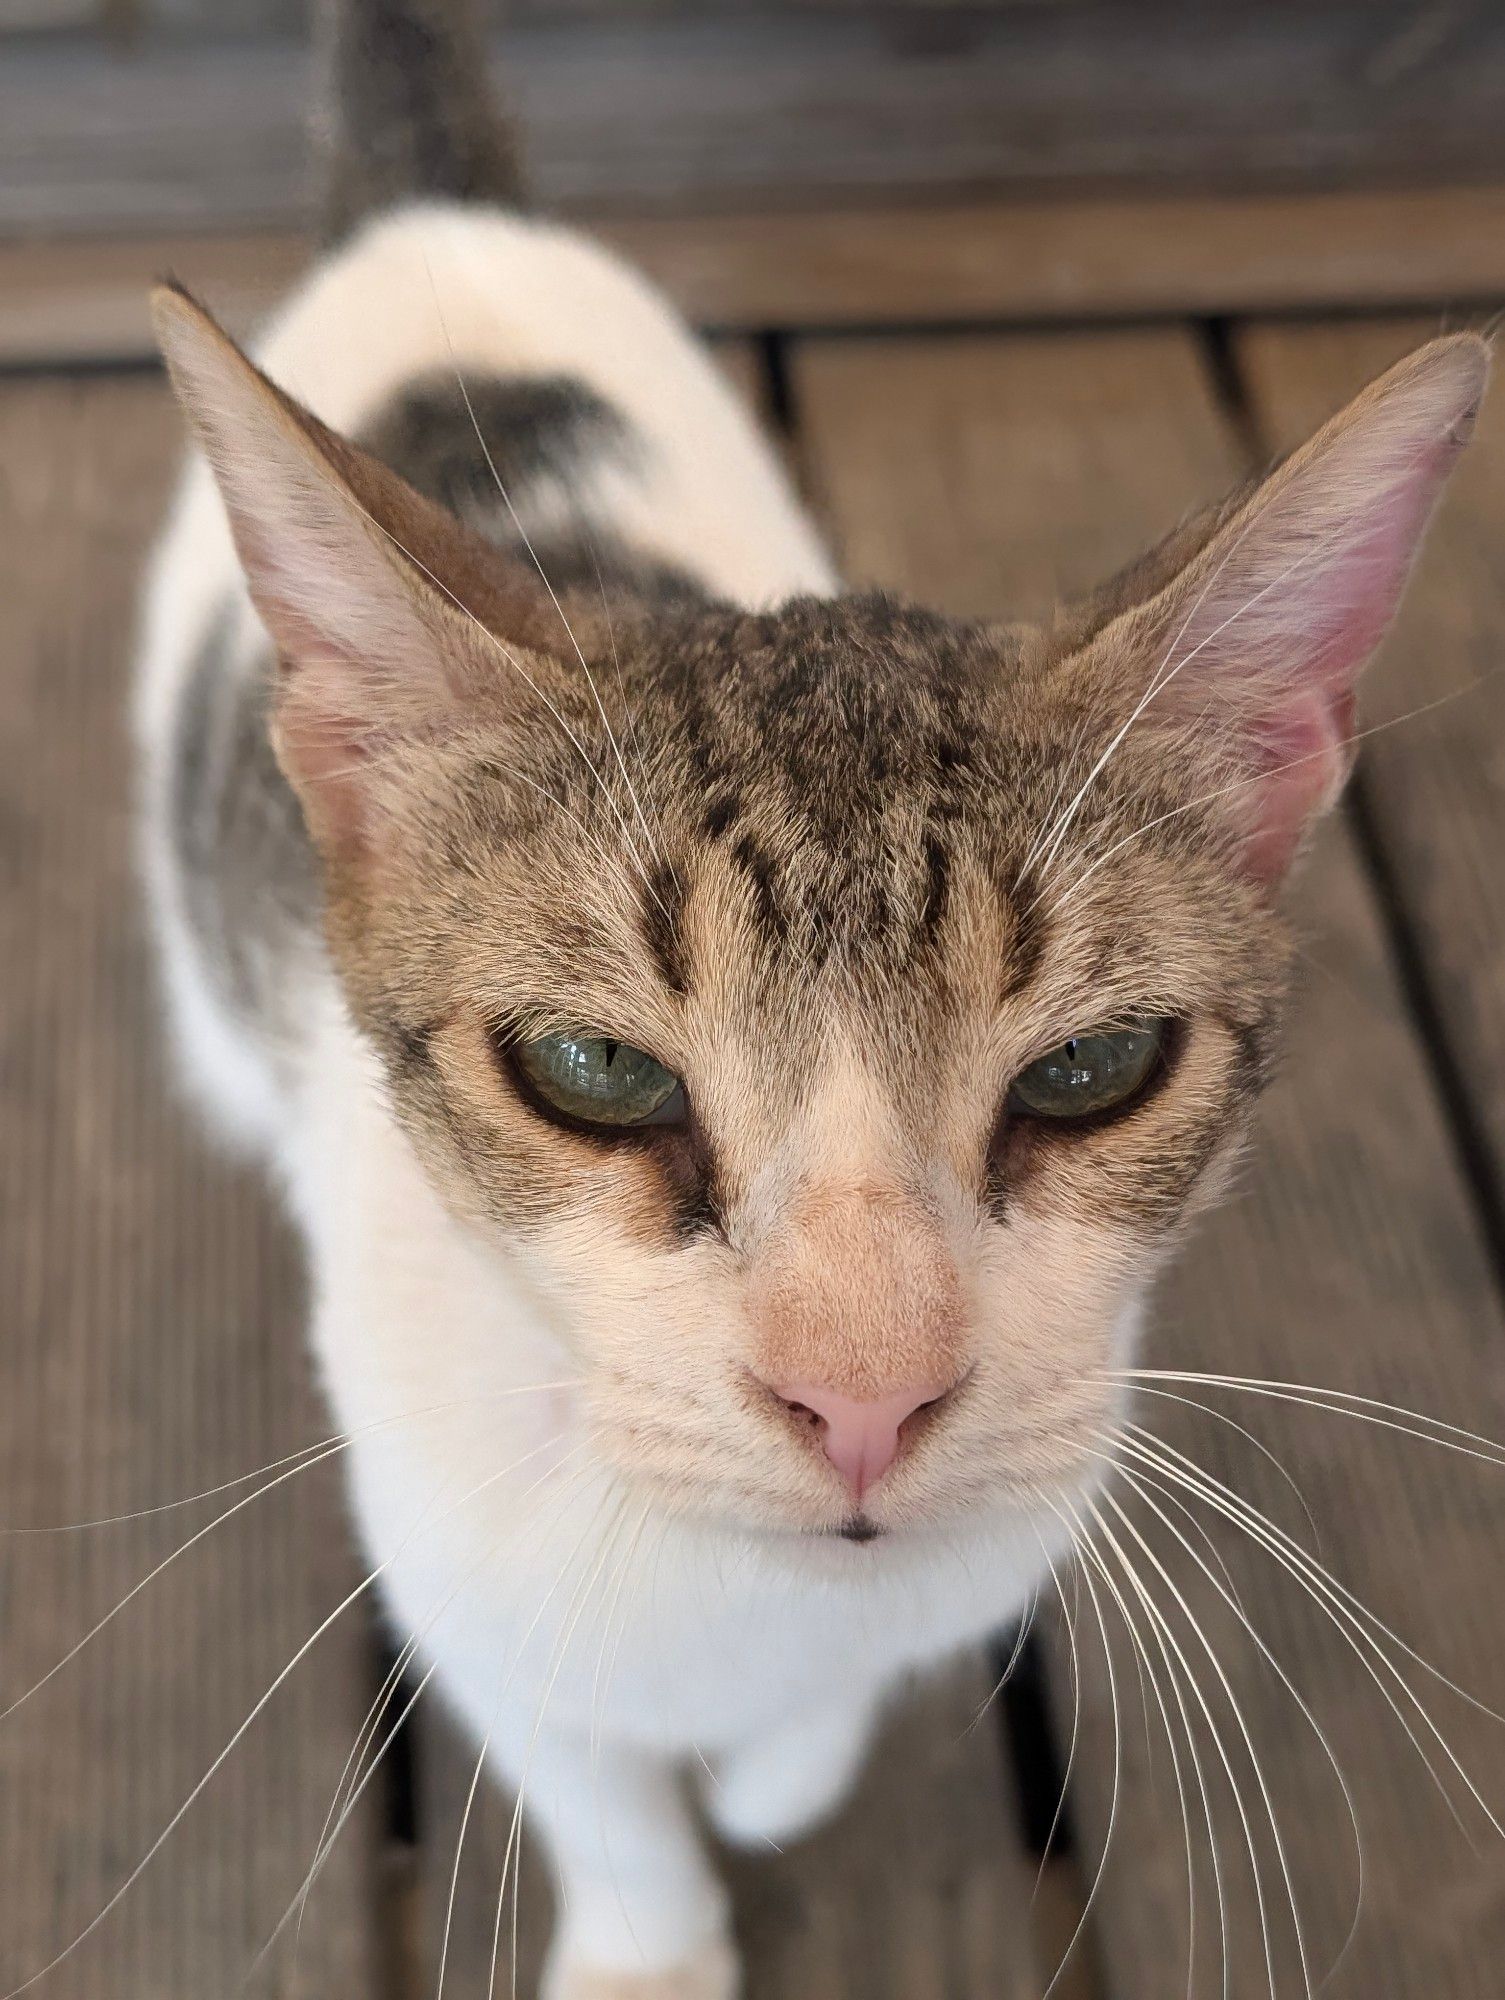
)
(19, 17)
(743, 110)
(1434, 785)
(161, 19)
(1351, 1258)
(151, 1312)
(959, 475)
(1072, 256)
(840, 267)
(269, 15)
(64, 303)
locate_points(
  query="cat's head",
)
(838, 1010)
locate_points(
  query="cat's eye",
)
(596, 1080)
(1088, 1075)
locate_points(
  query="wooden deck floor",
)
(151, 1302)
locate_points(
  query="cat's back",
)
(532, 383)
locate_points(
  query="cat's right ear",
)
(1246, 647)
(365, 587)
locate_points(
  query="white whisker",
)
(1165, 673)
(339, 1813)
(1076, 1715)
(1355, 1603)
(512, 1854)
(506, 1681)
(336, 1441)
(1140, 1484)
(1078, 1544)
(1232, 1423)
(1132, 1627)
(1154, 1612)
(1329, 1595)
(352, 1597)
(1026, 1625)
(598, 1689)
(1335, 1402)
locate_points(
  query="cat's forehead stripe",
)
(662, 921)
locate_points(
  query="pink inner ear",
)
(1356, 583)
(1304, 758)
(322, 749)
(1287, 628)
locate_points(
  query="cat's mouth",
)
(859, 1529)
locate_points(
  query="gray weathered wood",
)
(1351, 1259)
(741, 110)
(151, 1345)
(959, 477)
(271, 16)
(29, 16)
(839, 267)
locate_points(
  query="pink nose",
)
(860, 1437)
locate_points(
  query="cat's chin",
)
(861, 1544)
(979, 1520)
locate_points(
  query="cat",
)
(737, 1052)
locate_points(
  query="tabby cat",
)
(738, 1052)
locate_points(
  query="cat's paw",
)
(757, 1802)
(713, 1974)
(781, 1786)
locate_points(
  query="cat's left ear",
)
(1255, 645)
(384, 610)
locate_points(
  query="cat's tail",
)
(407, 109)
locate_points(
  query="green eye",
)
(600, 1081)
(1090, 1074)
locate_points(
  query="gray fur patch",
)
(533, 440)
(408, 110)
(249, 875)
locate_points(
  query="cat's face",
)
(837, 1011)
(837, 933)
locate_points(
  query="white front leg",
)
(642, 1915)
